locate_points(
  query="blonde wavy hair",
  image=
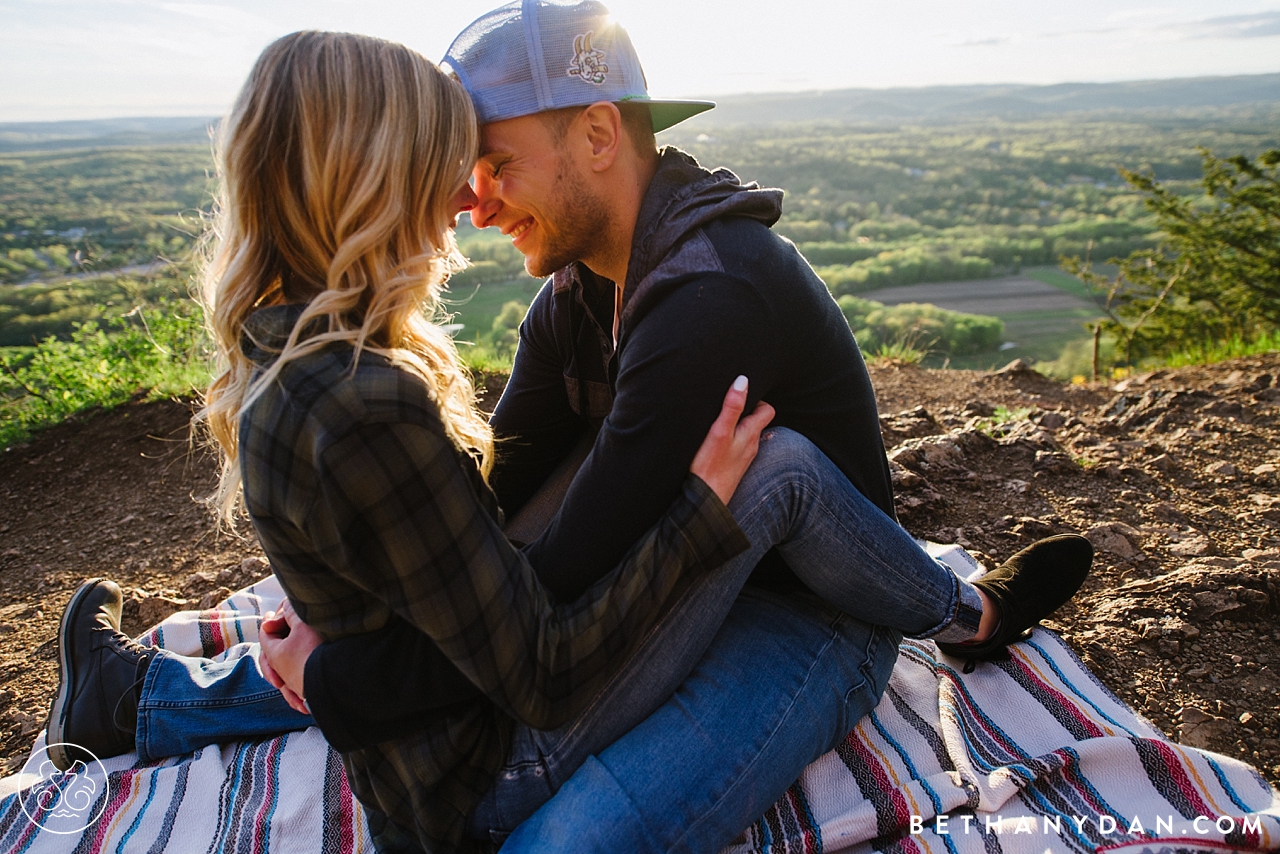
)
(339, 163)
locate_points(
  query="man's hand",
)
(286, 643)
(731, 445)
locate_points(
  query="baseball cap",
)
(535, 55)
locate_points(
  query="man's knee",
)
(784, 455)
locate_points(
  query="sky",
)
(80, 59)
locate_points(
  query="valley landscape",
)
(961, 198)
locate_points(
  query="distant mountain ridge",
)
(105, 133)
(930, 103)
(995, 100)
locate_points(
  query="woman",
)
(345, 415)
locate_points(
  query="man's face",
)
(528, 184)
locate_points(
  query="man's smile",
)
(517, 231)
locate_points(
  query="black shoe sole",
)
(55, 733)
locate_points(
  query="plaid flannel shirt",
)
(368, 510)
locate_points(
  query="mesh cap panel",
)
(535, 55)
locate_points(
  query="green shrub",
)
(921, 326)
(161, 350)
(506, 327)
(908, 266)
(805, 230)
(31, 313)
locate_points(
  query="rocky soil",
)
(1174, 476)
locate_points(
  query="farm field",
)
(1042, 311)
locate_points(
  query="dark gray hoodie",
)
(711, 293)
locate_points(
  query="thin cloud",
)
(1258, 25)
(990, 41)
(1261, 25)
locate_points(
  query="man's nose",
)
(487, 203)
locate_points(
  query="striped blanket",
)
(1029, 755)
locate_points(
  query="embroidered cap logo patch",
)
(588, 63)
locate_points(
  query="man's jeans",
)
(742, 677)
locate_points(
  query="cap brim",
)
(668, 113)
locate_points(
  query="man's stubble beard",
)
(582, 221)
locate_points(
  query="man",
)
(666, 284)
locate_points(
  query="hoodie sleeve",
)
(684, 347)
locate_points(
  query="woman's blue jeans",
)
(735, 692)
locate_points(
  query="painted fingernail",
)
(740, 384)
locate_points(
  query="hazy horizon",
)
(87, 59)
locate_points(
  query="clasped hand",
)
(286, 644)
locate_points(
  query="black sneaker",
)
(1028, 587)
(100, 673)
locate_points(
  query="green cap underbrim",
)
(668, 113)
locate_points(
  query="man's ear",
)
(602, 123)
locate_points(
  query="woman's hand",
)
(286, 643)
(731, 444)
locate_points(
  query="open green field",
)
(1042, 309)
(951, 210)
(476, 306)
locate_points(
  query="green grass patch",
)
(1220, 351)
(160, 351)
(475, 307)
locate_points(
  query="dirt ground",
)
(1174, 476)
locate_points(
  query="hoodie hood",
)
(682, 197)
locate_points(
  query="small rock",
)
(153, 609)
(1053, 461)
(1264, 469)
(1030, 527)
(1232, 603)
(1245, 717)
(1116, 538)
(1112, 471)
(1222, 468)
(1223, 409)
(1199, 728)
(1195, 546)
(1169, 513)
(978, 407)
(195, 582)
(29, 723)
(1052, 420)
(210, 600)
(1164, 463)
(255, 568)
(1016, 486)
(1017, 366)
